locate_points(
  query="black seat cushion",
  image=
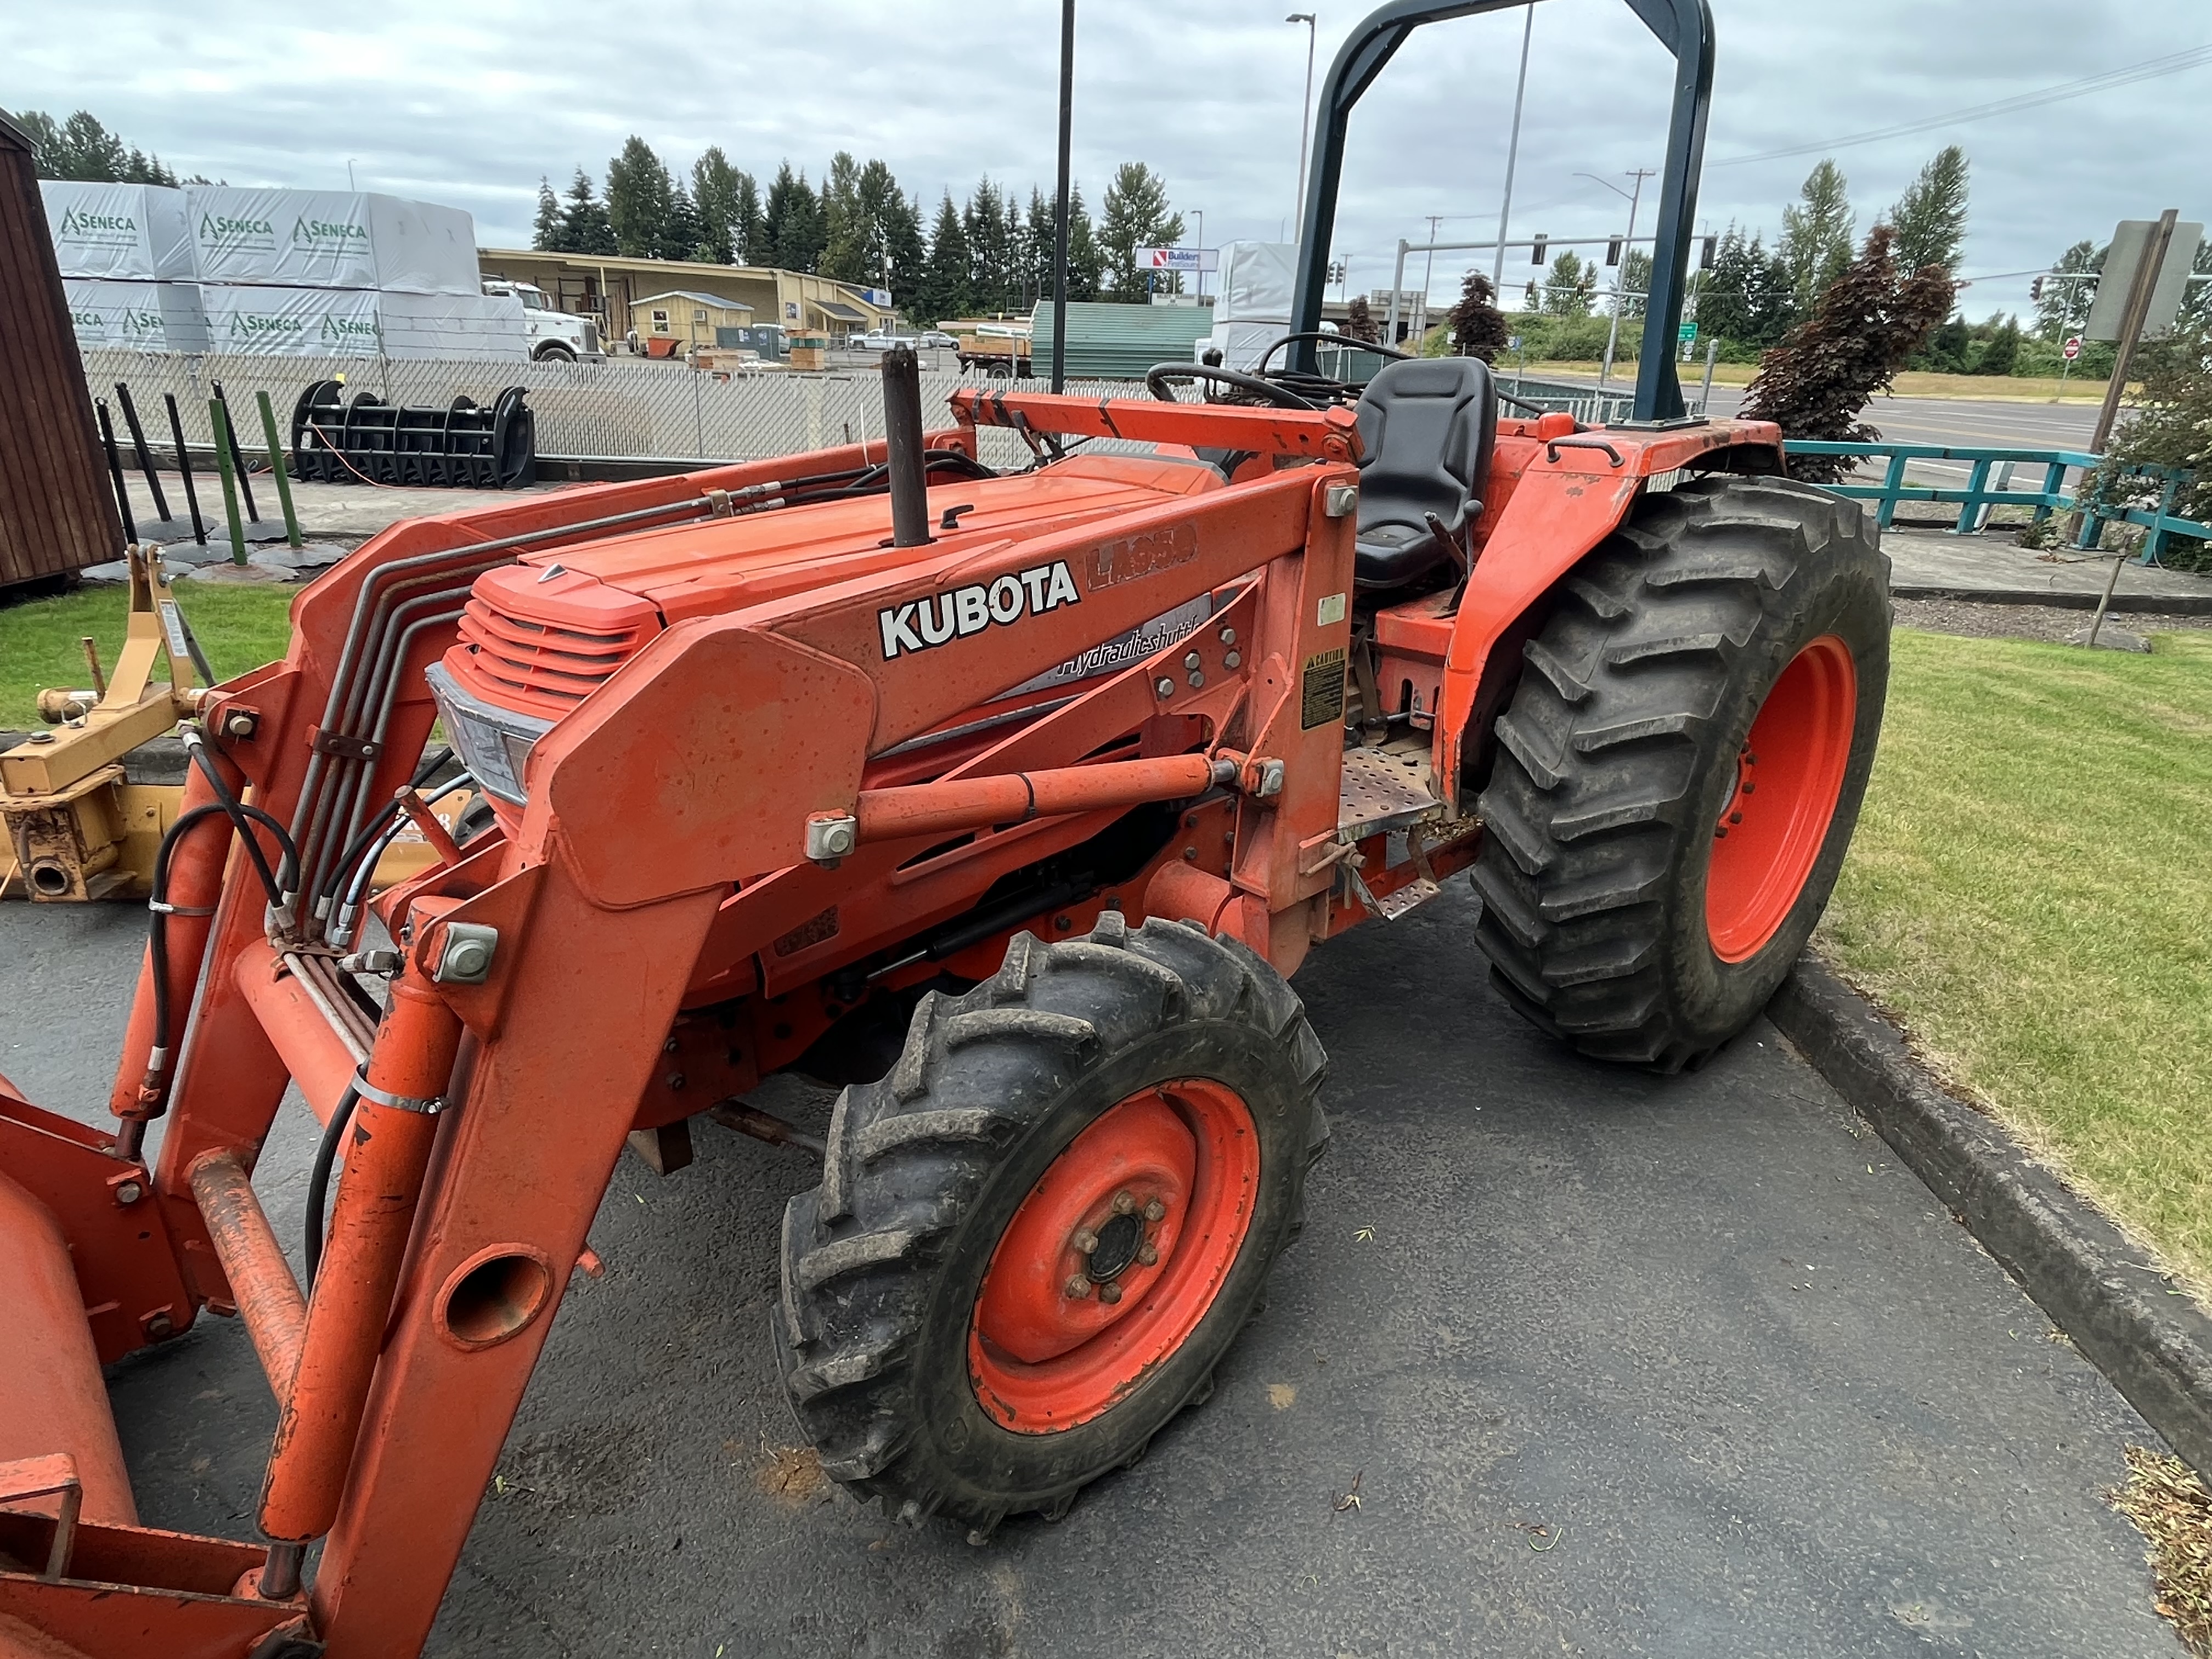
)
(1428, 425)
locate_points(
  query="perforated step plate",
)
(1386, 788)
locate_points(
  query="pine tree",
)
(844, 227)
(1478, 327)
(1816, 235)
(639, 192)
(983, 224)
(1635, 284)
(1086, 261)
(546, 232)
(714, 194)
(791, 224)
(748, 225)
(1930, 217)
(680, 231)
(945, 289)
(903, 248)
(881, 207)
(1359, 320)
(1869, 323)
(1136, 216)
(585, 227)
(2001, 349)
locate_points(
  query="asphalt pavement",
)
(1612, 1364)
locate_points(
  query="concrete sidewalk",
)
(1929, 564)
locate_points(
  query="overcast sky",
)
(469, 105)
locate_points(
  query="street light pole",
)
(1613, 334)
(1512, 154)
(1305, 112)
(1428, 276)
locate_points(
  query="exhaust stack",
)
(902, 439)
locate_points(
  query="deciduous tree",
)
(1930, 217)
(1869, 320)
(1816, 235)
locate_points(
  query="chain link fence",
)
(622, 409)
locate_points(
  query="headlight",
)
(494, 743)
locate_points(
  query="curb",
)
(2171, 604)
(2103, 1291)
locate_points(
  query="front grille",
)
(547, 664)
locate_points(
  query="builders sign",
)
(1178, 258)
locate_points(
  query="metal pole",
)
(1060, 219)
(1512, 156)
(1397, 281)
(1428, 276)
(115, 472)
(1705, 395)
(2131, 324)
(227, 434)
(277, 467)
(185, 469)
(223, 444)
(1613, 334)
(138, 445)
(1305, 116)
(904, 464)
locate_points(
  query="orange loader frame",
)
(755, 801)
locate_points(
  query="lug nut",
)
(1124, 1204)
(1165, 686)
(1084, 1240)
(1231, 659)
(1196, 679)
(1077, 1288)
(1229, 636)
(1110, 1294)
(1194, 661)
(1156, 1210)
(1148, 1253)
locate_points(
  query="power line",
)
(2148, 69)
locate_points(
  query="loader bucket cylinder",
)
(902, 440)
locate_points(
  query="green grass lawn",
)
(2028, 895)
(238, 627)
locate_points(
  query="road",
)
(1616, 1365)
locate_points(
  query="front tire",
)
(1641, 898)
(1036, 1239)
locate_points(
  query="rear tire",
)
(1725, 618)
(942, 1225)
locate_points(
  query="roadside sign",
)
(2072, 349)
(1513, 342)
(1687, 333)
(2131, 243)
(1179, 259)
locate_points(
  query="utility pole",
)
(1305, 113)
(1060, 219)
(1428, 276)
(1512, 153)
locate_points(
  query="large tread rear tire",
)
(924, 1170)
(1617, 760)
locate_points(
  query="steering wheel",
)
(1334, 338)
(1161, 376)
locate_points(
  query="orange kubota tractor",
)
(1010, 798)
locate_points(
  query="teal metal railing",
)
(2055, 495)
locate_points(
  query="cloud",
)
(471, 104)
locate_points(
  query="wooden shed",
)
(692, 318)
(57, 509)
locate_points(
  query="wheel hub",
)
(1114, 1256)
(1789, 775)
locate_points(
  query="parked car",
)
(935, 339)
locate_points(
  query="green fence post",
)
(1893, 481)
(223, 446)
(277, 467)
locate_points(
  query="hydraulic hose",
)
(319, 1179)
(275, 885)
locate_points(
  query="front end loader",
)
(1007, 798)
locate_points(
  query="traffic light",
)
(1536, 250)
(1612, 252)
(2035, 290)
(1705, 254)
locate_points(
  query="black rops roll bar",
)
(1685, 27)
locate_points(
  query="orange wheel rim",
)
(1115, 1257)
(1790, 774)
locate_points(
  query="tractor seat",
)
(1427, 425)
